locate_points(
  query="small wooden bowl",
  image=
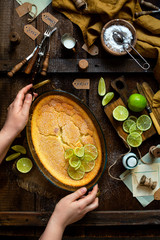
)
(122, 23)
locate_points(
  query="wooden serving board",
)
(118, 125)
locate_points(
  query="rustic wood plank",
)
(95, 218)
(96, 65)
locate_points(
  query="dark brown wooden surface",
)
(25, 214)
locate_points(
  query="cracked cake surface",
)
(58, 123)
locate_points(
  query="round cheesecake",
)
(59, 123)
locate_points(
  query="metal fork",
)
(47, 33)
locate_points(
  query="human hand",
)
(74, 206)
(18, 112)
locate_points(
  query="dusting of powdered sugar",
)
(110, 42)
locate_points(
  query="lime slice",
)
(76, 174)
(19, 148)
(134, 139)
(74, 161)
(24, 165)
(144, 122)
(13, 156)
(133, 128)
(120, 113)
(88, 166)
(101, 87)
(132, 118)
(78, 166)
(68, 153)
(79, 151)
(91, 150)
(107, 98)
(127, 124)
(87, 158)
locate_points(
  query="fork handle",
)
(45, 65)
(32, 62)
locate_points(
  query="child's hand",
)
(74, 206)
(18, 112)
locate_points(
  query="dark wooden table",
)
(25, 214)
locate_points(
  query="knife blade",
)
(19, 65)
(154, 120)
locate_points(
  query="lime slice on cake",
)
(127, 124)
(74, 161)
(88, 166)
(76, 174)
(68, 153)
(90, 150)
(107, 98)
(134, 139)
(101, 87)
(24, 165)
(144, 122)
(79, 151)
(87, 158)
(120, 113)
(19, 149)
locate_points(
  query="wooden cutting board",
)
(118, 125)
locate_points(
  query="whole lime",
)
(137, 102)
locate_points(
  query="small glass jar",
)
(130, 161)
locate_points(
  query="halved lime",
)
(68, 153)
(101, 87)
(107, 98)
(120, 113)
(132, 118)
(133, 127)
(76, 174)
(13, 156)
(91, 150)
(24, 165)
(79, 151)
(88, 166)
(127, 124)
(19, 148)
(144, 122)
(74, 161)
(134, 139)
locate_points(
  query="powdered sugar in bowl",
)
(108, 42)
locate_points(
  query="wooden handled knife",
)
(154, 120)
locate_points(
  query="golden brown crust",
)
(59, 123)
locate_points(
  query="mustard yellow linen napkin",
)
(156, 100)
(99, 12)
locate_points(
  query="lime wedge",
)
(134, 139)
(144, 122)
(68, 153)
(76, 174)
(101, 87)
(127, 124)
(13, 156)
(91, 150)
(24, 165)
(74, 161)
(132, 118)
(79, 151)
(107, 98)
(88, 166)
(120, 113)
(19, 148)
